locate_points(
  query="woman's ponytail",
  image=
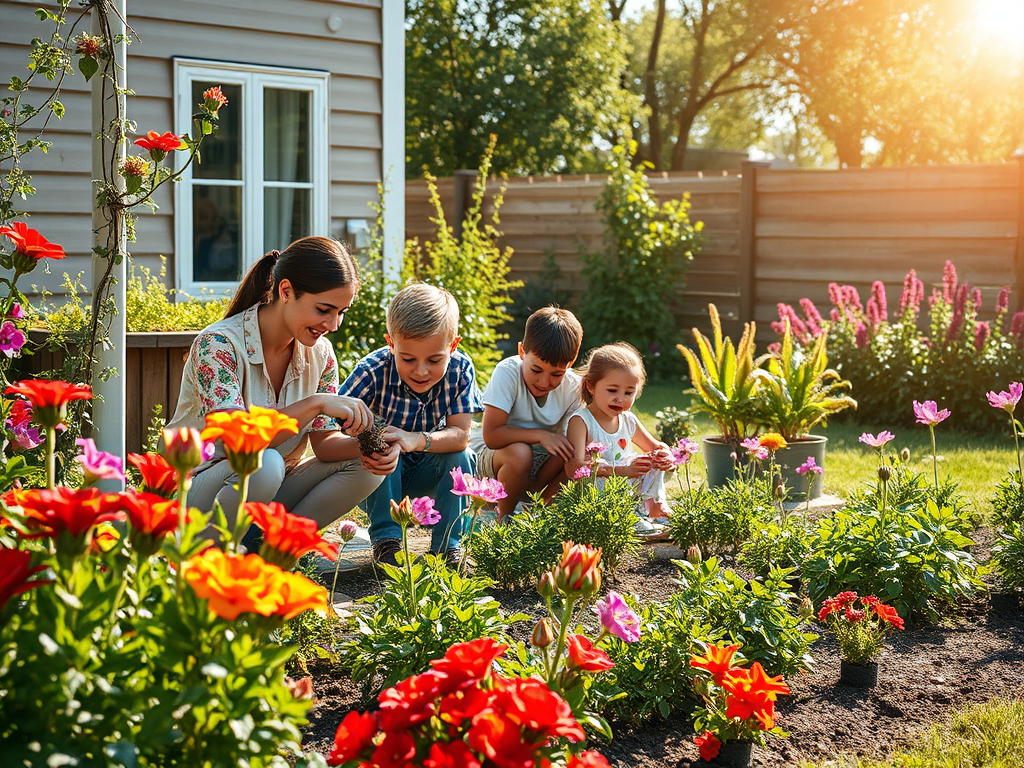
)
(257, 287)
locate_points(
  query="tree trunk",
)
(656, 142)
(683, 127)
(849, 148)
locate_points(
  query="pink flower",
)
(981, 332)
(1003, 302)
(1007, 400)
(25, 437)
(581, 473)
(809, 466)
(618, 618)
(98, 465)
(878, 296)
(949, 282)
(18, 311)
(813, 317)
(347, 530)
(595, 448)
(423, 511)
(877, 442)
(683, 450)
(11, 339)
(484, 491)
(928, 413)
(913, 293)
(861, 337)
(754, 449)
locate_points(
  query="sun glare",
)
(1002, 19)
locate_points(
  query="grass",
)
(989, 735)
(977, 462)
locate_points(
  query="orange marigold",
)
(773, 441)
(247, 432)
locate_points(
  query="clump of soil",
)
(371, 440)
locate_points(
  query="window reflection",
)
(216, 225)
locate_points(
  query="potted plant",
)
(798, 391)
(860, 632)
(727, 379)
(739, 706)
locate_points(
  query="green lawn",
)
(977, 462)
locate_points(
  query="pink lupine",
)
(949, 282)
(834, 315)
(913, 293)
(861, 338)
(878, 296)
(981, 332)
(813, 317)
(976, 299)
(874, 314)
(852, 297)
(1003, 302)
(835, 295)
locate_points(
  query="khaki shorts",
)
(485, 461)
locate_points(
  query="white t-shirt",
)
(507, 391)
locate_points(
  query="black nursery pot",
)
(858, 675)
(735, 754)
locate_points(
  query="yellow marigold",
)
(236, 584)
(773, 441)
(247, 432)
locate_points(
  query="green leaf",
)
(88, 66)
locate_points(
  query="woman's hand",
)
(383, 463)
(350, 412)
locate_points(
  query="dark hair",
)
(310, 264)
(601, 361)
(554, 335)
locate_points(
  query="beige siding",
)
(285, 33)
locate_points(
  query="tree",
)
(543, 75)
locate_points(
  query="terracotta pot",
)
(735, 754)
(858, 675)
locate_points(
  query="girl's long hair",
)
(310, 264)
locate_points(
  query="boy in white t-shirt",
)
(527, 404)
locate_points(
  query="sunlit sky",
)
(1002, 20)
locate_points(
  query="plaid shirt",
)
(376, 382)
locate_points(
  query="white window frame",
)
(253, 80)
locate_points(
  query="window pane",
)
(217, 238)
(221, 155)
(286, 135)
(286, 216)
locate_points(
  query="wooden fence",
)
(779, 235)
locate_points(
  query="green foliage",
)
(1008, 555)
(673, 425)
(606, 518)
(310, 634)
(800, 390)
(473, 268)
(150, 305)
(912, 557)
(394, 639)
(518, 550)
(1008, 502)
(773, 544)
(908, 489)
(544, 75)
(726, 378)
(756, 614)
(537, 293)
(633, 283)
(719, 518)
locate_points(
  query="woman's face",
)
(311, 315)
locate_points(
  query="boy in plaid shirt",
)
(425, 389)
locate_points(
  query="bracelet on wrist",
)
(427, 444)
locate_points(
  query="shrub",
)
(1008, 555)
(777, 545)
(673, 425)
(606, 518)
(912, 557)
(940, 352)
(719, 518)
(150, 306)
(632, 286)
(908, 488)
(516, 552)
(1008, 502)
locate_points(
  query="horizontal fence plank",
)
(990, 176)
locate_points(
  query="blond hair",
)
(420, 310)
(601, 361)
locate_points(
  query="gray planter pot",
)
(858, 675)
(721, 466)
(719, 461)
(735, 754)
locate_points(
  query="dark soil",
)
(925, 672)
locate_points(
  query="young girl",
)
(611, 380)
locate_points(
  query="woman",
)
(271, 350)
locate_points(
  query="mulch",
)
(925, 672)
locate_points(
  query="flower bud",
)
(347, 530)
(806, 610)
(884, 473)
(905, 455)
(183, 448)
(579, 572)
(780, 491)
(693, 555)
(401, 512)
(546, 585)
(543, 635)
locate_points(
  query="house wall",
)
(286, 33)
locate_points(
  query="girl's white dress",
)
(619, 452)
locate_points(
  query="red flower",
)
(579, 570)
(708, 744)
(470, 661)
(51, 513)
(409, 702)
(29, 244)
(464, 705)
(846, 598)
(750, 692)
(889, 614)
(454, 754)
(15, 570)
(354, 734)
(853, 615)
(288, 537)
(157, 475)
(499, 740)
(589, 759)
(151, 516)
(584, 657)
(396, 751)
(531, 704)
(165, 143)
(718, 661)
(49, 398)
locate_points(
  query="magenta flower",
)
(1003, 302)
(18, 311)
(484, 491)
(595, 447)
(97, 464)
(809, 466)
(618, 618)
(581, 473)
(754, 449)
(25, 437)
(877, 442)
(1007, 400)
(683, 451)
(11, 339)
(423, 511)
(928, 413)
(347, 530)
(861, 335)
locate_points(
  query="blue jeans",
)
(422, 474)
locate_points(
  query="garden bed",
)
(926, 672)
